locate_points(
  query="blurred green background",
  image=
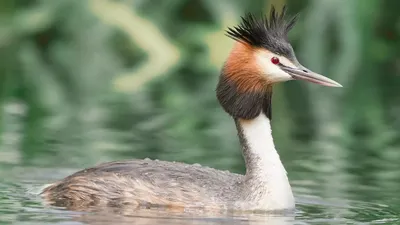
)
(88, 81)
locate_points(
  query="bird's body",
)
(172, 184)
(146, 183)
(261, 57)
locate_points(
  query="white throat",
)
(266, 182)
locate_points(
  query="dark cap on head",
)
(269, 33)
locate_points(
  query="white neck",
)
(266, 183)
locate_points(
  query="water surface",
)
(19, 204)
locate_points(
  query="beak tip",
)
(338, 85)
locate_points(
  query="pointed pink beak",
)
(303, 73)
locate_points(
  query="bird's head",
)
(261, 56)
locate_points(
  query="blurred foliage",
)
(84, 81)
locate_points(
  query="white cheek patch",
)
(270, 70)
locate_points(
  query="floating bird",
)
(261, 56)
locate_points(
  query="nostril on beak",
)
(305, 71)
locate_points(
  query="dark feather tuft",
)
(270, 33)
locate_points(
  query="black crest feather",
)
(270, 33)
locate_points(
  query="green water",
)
(359, 193)
(322, 198)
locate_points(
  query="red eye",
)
(274, 60)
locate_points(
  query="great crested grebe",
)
(261, 56)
